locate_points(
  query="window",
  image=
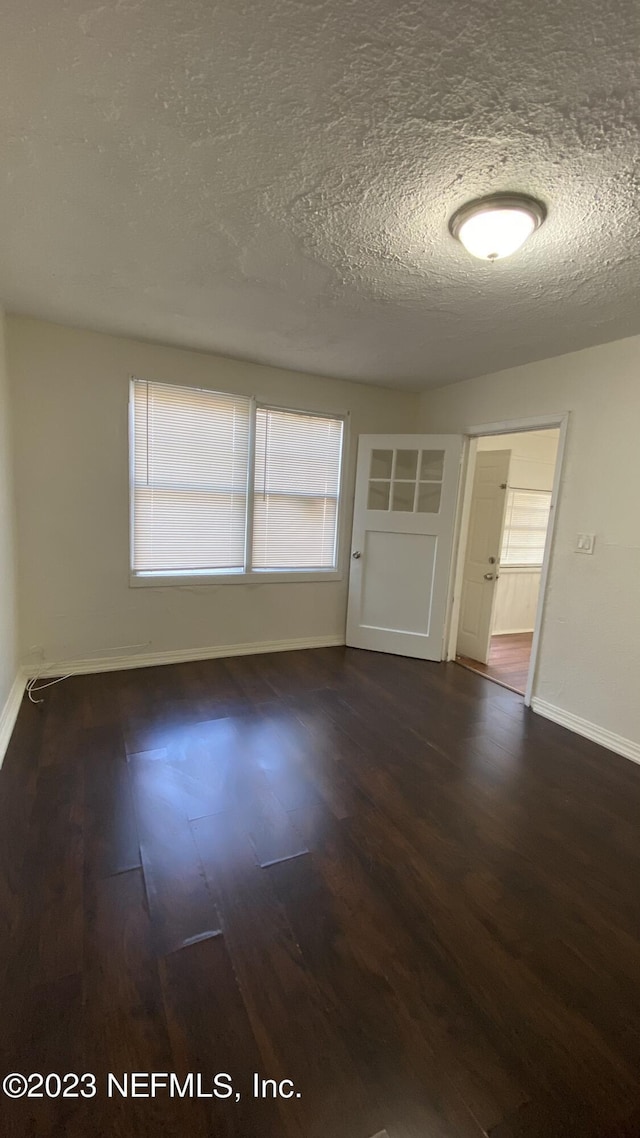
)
(525, 530)
(191, 450)
(222, 486)
(409, 481)
(296, 489)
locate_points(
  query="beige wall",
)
(589, 663)
(70, 394)
(8, 619)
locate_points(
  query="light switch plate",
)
(585, 542)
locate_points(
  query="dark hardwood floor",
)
(382, 879)
(509, 658)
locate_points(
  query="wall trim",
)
(625, 747)
(9, 712)
(179, 656)
(511, 631)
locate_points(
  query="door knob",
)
(488, 576)
(356, 553)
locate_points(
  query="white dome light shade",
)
(496, 233)
(494, 227)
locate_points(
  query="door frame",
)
(472, 434)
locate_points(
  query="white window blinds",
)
(297, 485)
(191, 454)
(525, 531)
(194, 454)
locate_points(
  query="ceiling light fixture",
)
(495, 226)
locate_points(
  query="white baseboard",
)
(9, 712)
(608, 739)
(511, 631)
(179, 656)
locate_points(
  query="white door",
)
(404, 514)
(482, 558)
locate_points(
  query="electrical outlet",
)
(585, 542)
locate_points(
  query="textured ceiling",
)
(272, 179)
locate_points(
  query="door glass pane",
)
(403, 495)
(406, 463)
(381, 462)
(429, 497)
(378, 496)
(431, 465)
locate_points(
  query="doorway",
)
(510, 488)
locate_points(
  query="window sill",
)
(520, 568)
(256, 577)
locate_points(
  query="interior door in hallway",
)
(404, 515)
(482, 559)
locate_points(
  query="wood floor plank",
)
(47, 1034)
(583, 1060)
(623, 1128)
(18, 781)
(247, 672)
(272, 743)
(53, 875)
(181, 906)
(111, 831)
(544, 1117)
(210, 1032)
(124, 1017)
(223, 766)
(261, 942)
(186, 794)
(438, 1022)
(380, 877)
(395, 1063)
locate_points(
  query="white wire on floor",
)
(33, 684)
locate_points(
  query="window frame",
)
(189, 578)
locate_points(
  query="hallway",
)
(508, 660)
